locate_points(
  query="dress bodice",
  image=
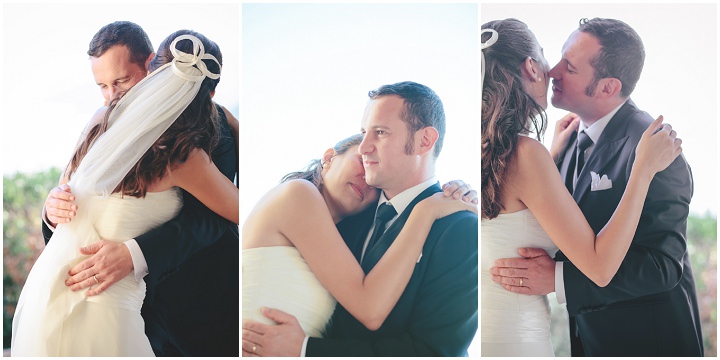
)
(278, 277)
(509, 317)
(125, 217)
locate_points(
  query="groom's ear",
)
(147, 61)
(425, 140)
(610, 87)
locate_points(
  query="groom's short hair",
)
(621, 55)
(122, 33)
(422, 108)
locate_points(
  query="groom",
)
(404, 126)
(190, 264)
(650, 306)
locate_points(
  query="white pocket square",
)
(599, 183)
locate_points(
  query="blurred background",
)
(679, 81)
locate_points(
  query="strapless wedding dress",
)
(278, 277)
(512, 324)
(51, 320)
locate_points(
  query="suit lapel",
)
(611, 141)
(354, 230)
(373, 255)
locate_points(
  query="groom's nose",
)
(365, 146)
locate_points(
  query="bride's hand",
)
(459, 189)
(563, 129)
(438, 206)
(657, 148)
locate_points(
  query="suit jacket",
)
(650, 306)
(192, 303)
(436, 314)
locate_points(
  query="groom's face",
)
(574, 74)
(383, 149)
(114, 72)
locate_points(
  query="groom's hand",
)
(533, 274)
(110, 262)
(60, 206)
(284, 339)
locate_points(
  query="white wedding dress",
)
(278, 277)
(108, 324)
(51, 320)
(512, 324)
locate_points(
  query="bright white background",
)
(307, 70)
(679, 79)
(48, 91)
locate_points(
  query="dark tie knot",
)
(584, 141)
(384, 213)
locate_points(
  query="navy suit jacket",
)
(437, 313)
(650, 306)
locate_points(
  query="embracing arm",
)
(444, 314)
(369, 298)
(542, 191)
(201, 178)
(657, 257)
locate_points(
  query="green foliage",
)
(702, 247)
(23, 198)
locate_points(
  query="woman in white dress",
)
(125, 175)
(295, 260)
(525, 202)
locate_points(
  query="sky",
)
(48, 91)
(679, 79)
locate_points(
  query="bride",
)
(514, 96)
(294, 259)
(125, 176)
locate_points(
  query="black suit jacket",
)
(436, 314)
(650, 306)
(192, 303)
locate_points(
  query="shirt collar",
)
(401, 201)
(595, 130)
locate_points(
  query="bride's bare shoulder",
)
(295, 193)
(531, 151)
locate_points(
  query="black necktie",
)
(384, 213)
(583, 142)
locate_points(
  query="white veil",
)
(138, 120)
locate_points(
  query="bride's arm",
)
(542, 190)
(201, 178)
(307, 223)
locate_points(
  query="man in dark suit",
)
(404, 126)
(650, 306)
(190, 264)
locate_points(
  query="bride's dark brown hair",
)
(507, 108)
(196, 127)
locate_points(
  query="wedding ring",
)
(521, 281)
(254, 348)
(97, 281)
